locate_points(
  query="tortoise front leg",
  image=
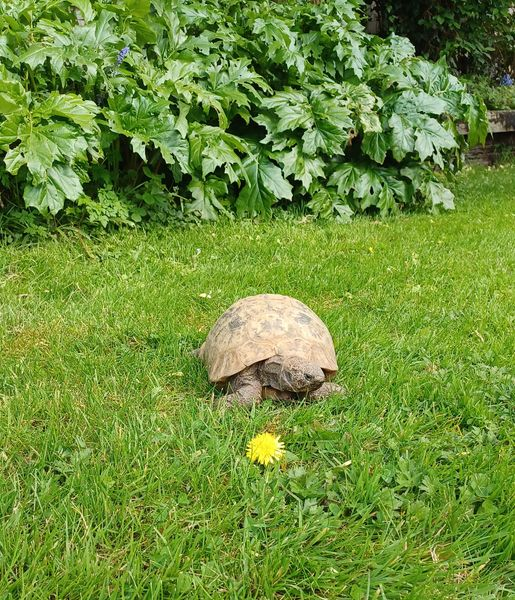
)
(326, 389)
(245, 388)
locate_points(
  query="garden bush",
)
(474, 36)
(119, 112)
(497, 95)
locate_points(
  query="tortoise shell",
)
(259, 327)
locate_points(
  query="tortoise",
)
(270, 346)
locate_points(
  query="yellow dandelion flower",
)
(265, 448)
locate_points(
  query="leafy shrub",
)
(473, 36)
(494, 95)
(117, 112)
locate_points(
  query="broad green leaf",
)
(357, 58)
(370, 122)
(431, 136)
(144, 120)
(403, 136)
(181, 123)
(87, 12)
(241, 72)
(139, 146)
(180, 80)
(14, 159)
(58, 33)
(61, 184)
(40, 147)
(432, 75)
(208, 99)
(344, 212)
(303, 168)
(135, 115)
(292, 109)
(430, 104)
(400, 47)
(324, 118)
(393, 75)
(211, 148)
(97, 34)
(325, 137)
(103, 32)
(265, 185)
(206, 197)
(272, 179)
(416, 173)
(345, 178)
(331, 123)
(138, 8)
(279, 139)
(345, 9)
(424, 144)
(235, 84)
(174, 31)
(13, 98)
(325, 204)
(368, 187)
(9, 130)
(217, 155)
(253, 198)
(5, 50)
(375, 145)
(180, 73)
(37, 53)
(360, 97)
(70, 106)
(144, 33)
(402, 190)
(39, 152)
(280, 43)
(174, 148)
(44, 197)
(419, 102)
(437, 194)
(386, 200)
(477, 122)
(66, 180)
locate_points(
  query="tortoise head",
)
(292, 374)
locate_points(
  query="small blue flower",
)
(121, 55)
(506, 79)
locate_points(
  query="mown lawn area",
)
(118, 478)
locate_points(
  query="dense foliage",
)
(497, 95)
(474, 36)
(115, 112)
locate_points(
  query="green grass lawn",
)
(118, 479)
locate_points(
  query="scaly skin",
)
(290, 374)
(326, 389)
(246, 388)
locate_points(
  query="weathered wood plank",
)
(499, 121)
